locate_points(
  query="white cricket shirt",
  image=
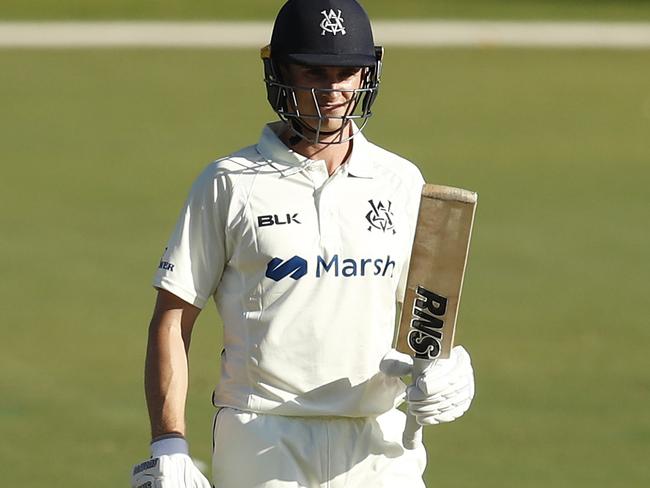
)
(305, 270)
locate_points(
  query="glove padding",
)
(442, 393)
(170, 467)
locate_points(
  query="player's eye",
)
(319, 74)
(349, 73)
(314, 72)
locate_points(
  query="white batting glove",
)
(170, 466)
(443, 392)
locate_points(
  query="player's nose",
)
(333, 78)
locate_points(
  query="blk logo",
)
(266, 220)
(427, 322)
(380, 216)
(332, 22)
(295, 268)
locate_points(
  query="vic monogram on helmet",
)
(322, 33)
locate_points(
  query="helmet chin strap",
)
(299, 127)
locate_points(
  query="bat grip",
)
(412, 436)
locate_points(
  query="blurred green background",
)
(266, 9)
(99, 148)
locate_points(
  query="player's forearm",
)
(166, 377)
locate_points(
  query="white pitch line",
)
(133, 34)
(524, 34)
(58, 35)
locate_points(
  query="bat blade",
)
(435, 279)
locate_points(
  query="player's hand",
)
(443, 392)
(169, 467)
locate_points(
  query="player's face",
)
(325, 91)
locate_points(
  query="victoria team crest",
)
(380, 216)
(332, 22)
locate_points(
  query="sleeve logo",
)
(165, 265)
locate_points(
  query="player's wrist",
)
(169, 444)
(170, 465)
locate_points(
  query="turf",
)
(99, 149)
(632, 10)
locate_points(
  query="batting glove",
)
(170, 466)
(442, 393)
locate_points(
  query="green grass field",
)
(634, 10)
(98, 151)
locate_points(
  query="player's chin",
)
(333, 122)
(337, 112)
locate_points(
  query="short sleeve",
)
(195, 256)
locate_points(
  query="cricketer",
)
(302, 240)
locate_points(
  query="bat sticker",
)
(425, 335)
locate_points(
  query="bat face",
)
(436, 270)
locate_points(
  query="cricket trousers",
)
(271, 451)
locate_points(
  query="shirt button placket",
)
(330, 234)
(312, 173)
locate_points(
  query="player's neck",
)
(334, 155)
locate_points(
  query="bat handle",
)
(412, 436)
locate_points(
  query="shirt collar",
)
(359, 164)
(274, 150)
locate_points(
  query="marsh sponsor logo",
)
(297, 267)
(349, 267)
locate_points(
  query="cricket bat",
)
(435, 279)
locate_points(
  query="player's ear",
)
(288, 72)
(273, 78)
(372, 78)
